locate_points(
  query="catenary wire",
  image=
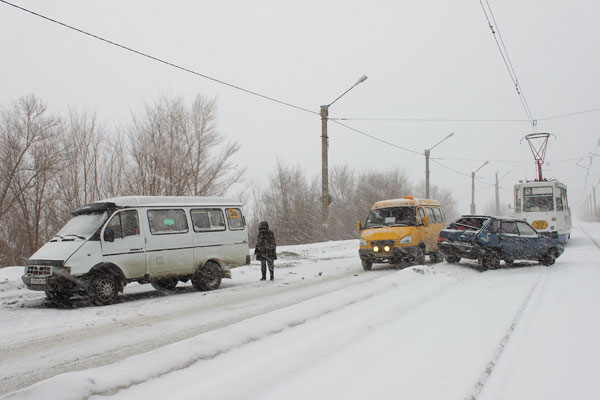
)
(159, 59)
(504, 53)
(336, 120)
(463, 120)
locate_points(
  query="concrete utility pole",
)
(473, 187)
(497, 195)
(324, 172)
(325, 199)
(427, 153)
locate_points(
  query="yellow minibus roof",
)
(407, 201)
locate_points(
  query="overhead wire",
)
(376, 138)
(430, 119)
(463, 119)
(499, 42)
(159, 59)
(506, 58)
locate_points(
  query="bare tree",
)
(291, 205)
(342, 215)
(35, 138)
(23, 126)
(444, 196)
(80, 178)
(373, 186)
(179, 151)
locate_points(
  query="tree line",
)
(52, 164)
(291, 201)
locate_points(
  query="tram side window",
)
(559, 204)
(563, 194)
(518, 200)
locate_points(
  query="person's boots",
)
(272, 276)
(264, 277)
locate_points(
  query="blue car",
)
(490, 239)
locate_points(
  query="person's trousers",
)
(263, 267)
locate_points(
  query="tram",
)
(544, 204)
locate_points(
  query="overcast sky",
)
(424, 59)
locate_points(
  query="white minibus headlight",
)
(363, 243)
(405, 240)
(376, 249)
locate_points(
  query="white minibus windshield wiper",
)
(72, 234)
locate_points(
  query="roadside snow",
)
(426, 332)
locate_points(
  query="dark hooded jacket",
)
(265, 249)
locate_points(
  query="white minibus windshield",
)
(83, 225)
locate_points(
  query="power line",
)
(158, 59)
(463, 119)
(569, 114)
(450, 169)
(478, 160)
(503, 161)
(429, 120)
(376, 138)
(507, 61)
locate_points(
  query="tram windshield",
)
(537, 199)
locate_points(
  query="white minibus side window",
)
(235, 219)
(208, 219)
(123, 224)
(167, 221)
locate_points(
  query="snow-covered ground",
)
(324, 329)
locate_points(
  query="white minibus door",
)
(123, 244)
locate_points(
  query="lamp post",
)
(473, 186)
(325, 161)
(427, 152)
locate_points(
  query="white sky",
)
(426, 59)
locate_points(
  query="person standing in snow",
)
(265, 249)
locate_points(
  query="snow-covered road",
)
(325, 328)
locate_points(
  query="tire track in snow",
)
(489, 369)
(30, 360)
(589, 236)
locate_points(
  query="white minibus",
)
(160, 240)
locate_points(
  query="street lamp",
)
(324, 160)
(427, 151)
(473, 187)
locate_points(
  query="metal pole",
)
(472, 193)
(427, 173)
(324, 173)
(497, 193)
